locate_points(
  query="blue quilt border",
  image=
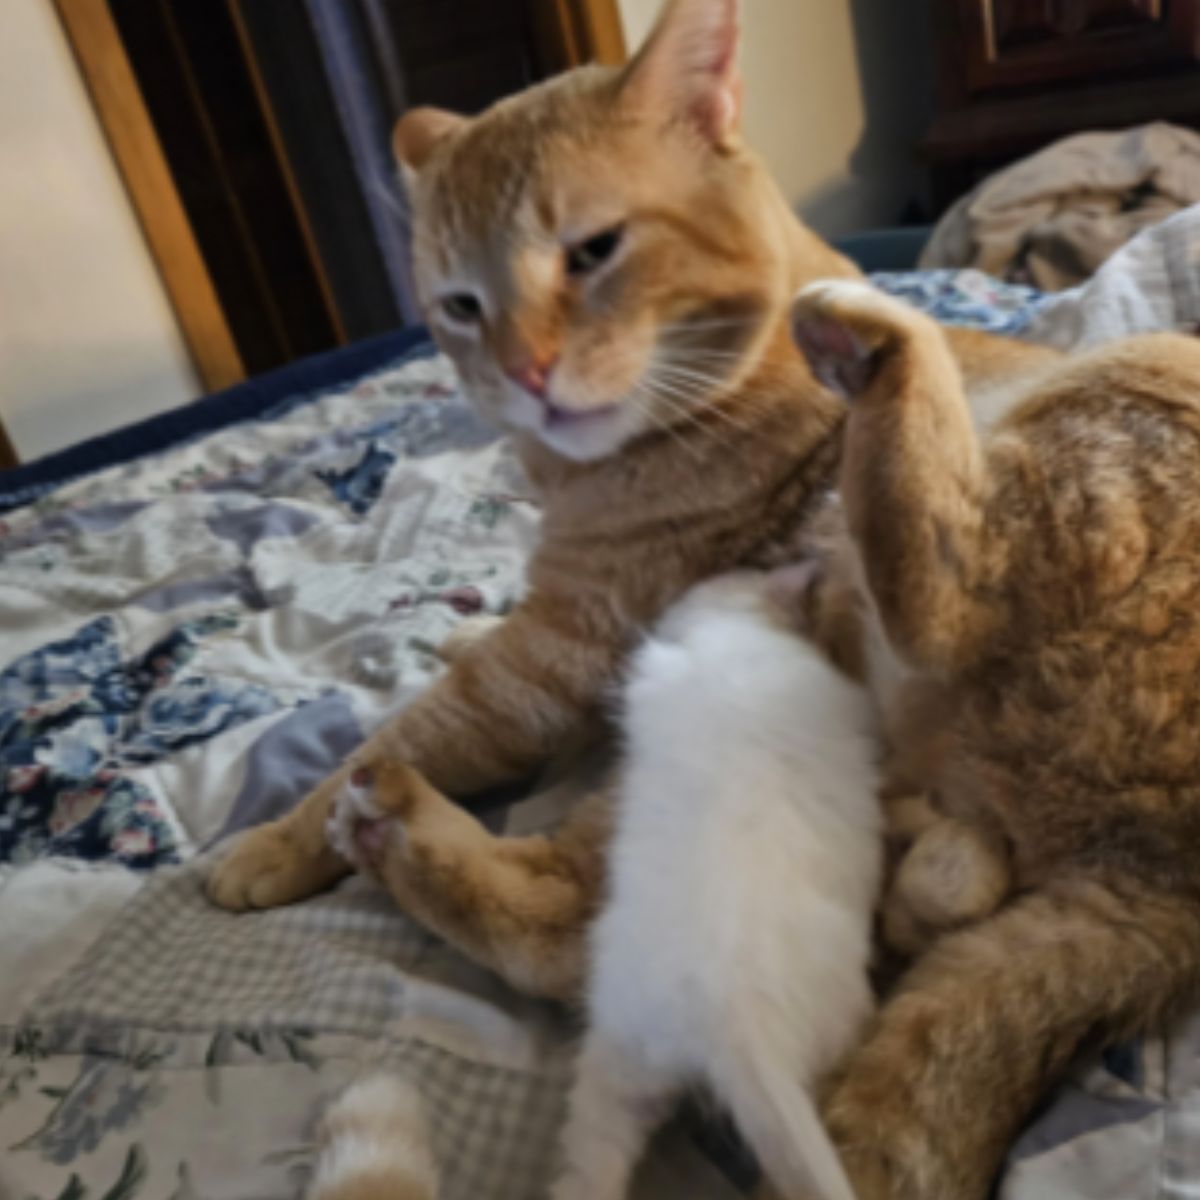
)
(250, 400)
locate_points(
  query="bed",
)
(198, 617)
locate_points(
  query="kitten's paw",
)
(466, 633)
(263, 868)
(844, 328)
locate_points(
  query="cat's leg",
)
(283, 860)
(616, 1104)
(506, 703)
(913, 477)
(991, 1016)
(519, 905)
(466, 633)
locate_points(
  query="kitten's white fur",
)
(734, 946)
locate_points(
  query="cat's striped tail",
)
(990, 1019)
(375, 1145)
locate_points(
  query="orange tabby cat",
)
(1045, 583)
(611, 269)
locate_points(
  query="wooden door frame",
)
(8, 452)
(122, 112)
(585, 31)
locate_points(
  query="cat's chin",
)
(587, 436)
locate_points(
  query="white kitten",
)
(734, 947)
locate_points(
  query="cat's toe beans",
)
(838, 356)
(353, 808)
(844, 327)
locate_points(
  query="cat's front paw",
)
(263, 868)
(845, 329)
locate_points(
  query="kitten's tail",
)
(777, 1116)
(993, 1015)
(375, 1145)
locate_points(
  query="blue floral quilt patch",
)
(75, 718)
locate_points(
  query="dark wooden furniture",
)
(1014, 75)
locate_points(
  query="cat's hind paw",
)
(844, 329)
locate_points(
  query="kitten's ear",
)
(688, 67)
(419, 131)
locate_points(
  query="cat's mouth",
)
(583, 434)
(557, 417)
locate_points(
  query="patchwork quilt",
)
(188, 642)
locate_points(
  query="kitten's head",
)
(599, 254)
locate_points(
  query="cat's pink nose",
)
(533, 375)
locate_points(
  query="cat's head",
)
(600, 255)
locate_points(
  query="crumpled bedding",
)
(188, 642)
(1051, 219)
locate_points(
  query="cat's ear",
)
(419, 131)
(688, 68)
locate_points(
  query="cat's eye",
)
(586, 256)
(462, 307)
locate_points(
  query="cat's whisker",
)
(679, 338)
(742, 423)
(646, 410)
(685, 387)
(705, 378)
(682, 403)
(704, 354)
(676, 401)
(716, 356)
(711, 323)
(686, 402)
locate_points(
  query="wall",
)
(837, 94)
(87, 338)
